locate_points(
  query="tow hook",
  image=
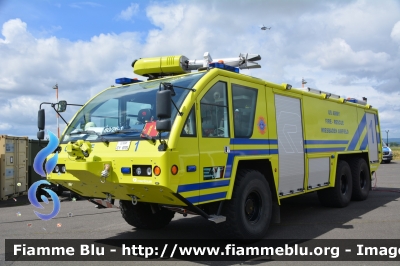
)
(105, 173)
(134, 200)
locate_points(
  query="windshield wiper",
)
(84, 132)
(122, 131)
(91, 132)
(153, 139)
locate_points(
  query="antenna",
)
(303, 82)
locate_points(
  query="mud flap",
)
(276, 213)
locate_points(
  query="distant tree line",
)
(394, 144)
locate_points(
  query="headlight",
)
(138, 171)
(63, 170)
(141, 170)
(56, 169)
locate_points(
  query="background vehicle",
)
(387, 153)
(216, 143)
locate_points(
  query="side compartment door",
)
(214, 139)
(290, 144)
(372, 138)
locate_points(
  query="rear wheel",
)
(75, 196)
(361, 179)
(141, 215)
(60, 190)
(248, 213)
(339, 195)
(41, 192)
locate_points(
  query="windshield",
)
(120, 113)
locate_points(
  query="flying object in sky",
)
(265, 28)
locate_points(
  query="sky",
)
(349, 48)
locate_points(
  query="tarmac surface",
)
(302, 217)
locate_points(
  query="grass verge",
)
(396, 153)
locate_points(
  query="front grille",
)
(385, 153)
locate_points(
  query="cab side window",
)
(214, 112)
(244, 107)
(189, 129)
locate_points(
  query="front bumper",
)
(387, 157)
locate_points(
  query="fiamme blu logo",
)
(43, 170)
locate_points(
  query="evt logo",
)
(38, 167)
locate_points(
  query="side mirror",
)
(170, 87)
(163, 111)
(41, 119)
(61, 106)
(40, 134)
(163, 104)
(163, 125)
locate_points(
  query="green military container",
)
(33, 149)
(13, 153)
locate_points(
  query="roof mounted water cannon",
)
(160, 66)
(243, 61)
(178, 64)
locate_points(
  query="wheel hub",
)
(252, 206)
(363, 180)
(344, 185)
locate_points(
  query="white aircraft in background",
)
(265, 28)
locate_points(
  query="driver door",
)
(214, 139)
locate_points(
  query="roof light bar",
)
(353, 100)
(124, 81)
(223, 66)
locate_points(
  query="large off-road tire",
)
(340, 195)
(73, 195)
(40, 192)
(248, 213)
(59, 192)
(142, 217)
(361, 179)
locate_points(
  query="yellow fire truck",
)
(216, 143)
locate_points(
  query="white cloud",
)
(339, 55)
(128, 13)
(13, 30)
(34, 66)
(5, 126)
(391, 85)
(50, 30)
(168, 17)
(395, 34)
